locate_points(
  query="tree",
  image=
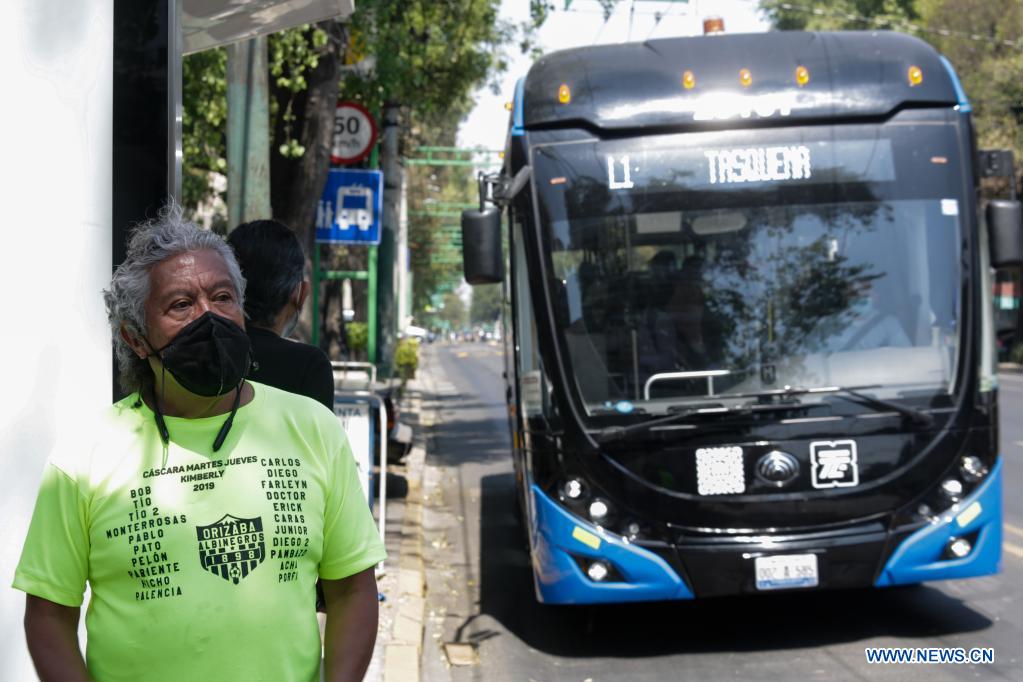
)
(204, 117)
(834, 15)
(984, 49)
(305, 65)
(485, 307)
(453, 311)
(979, 37)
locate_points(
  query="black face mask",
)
(209, 357)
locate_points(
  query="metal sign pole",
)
(371, 314)
(316, 294)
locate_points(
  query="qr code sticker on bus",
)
(720, 471)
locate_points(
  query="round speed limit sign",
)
(355, 132)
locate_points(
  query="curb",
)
(403, 650)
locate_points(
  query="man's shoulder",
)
(98, 438)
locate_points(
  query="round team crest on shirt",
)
(232, 547)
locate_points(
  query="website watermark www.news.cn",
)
(930, 655)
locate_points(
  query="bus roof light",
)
(688, 80)
(802, 76)
(713, 25)
(915, 75)
(745, 78)
(564, 94)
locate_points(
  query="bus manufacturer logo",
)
(777, 468)
(834, 464)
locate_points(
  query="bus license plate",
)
(786, 572)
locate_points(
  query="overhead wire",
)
(659, 16)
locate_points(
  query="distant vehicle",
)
(414, 332)
(751, 341)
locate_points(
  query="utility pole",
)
(386, 271)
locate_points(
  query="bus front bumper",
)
(563, 545)
(562, 541)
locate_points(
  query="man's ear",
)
(134, 342)
(300, 294)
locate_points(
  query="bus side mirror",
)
(1005, 232)
(482, 259)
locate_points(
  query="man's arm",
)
(351, 626)
(52, 633)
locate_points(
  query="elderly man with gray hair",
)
(204, 506)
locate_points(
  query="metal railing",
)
(708, 374)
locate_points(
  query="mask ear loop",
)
(161, 425)
(222, 435)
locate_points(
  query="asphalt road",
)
(479, 590)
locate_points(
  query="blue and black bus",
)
(749, 319)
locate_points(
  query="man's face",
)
(184, 287)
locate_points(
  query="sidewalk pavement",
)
(396, 657)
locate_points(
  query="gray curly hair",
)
(150, 243)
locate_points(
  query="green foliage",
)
(835, 15)
(991, 71)
(203, 123)
(406, 358)
(485, 307)
(453, 311)
(430, 56)
(291, 55)
(358, 337)
(973, 34)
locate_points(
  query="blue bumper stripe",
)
(556, 534)
(918, 558)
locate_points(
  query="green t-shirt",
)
(202, 564)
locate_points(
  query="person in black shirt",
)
(272, 261)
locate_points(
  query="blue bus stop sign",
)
(350, 207)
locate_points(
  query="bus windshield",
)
(687, 268)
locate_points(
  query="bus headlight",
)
(958, 548)
(573, 489)
(597, 571)
(599, 509)
(972, 468)
(952, 488)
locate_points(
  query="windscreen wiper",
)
(852, 393)
(612, 433)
